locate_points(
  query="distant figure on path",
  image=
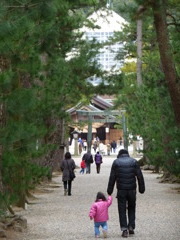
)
(108, 149)
(124, 172)
(101, 148)
(113, 146)
(88, 158)
(83, 166)
(80, 148)
(95, 145)
(67, 166)
(98, 161)
(99, 212)
(85, 145)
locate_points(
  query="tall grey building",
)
(109, 22)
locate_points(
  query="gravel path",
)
(53, 216)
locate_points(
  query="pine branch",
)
(174, 23)
(25, 6)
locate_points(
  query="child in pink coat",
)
(99, 212)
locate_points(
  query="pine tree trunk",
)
(60, 141)
(3, 204)
(139, 65)
(1, 182)
(1, 153)
(139, 52)
(169, 70)
(22, 193)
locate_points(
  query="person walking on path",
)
(98, 161)
(95, 145)
(85, 145)
(67, 166)
(108, 149)
(83, 166)
(124, 172)
(99, 212)
(101, 148)
(80, 148)
(113, 146)
(88, 158)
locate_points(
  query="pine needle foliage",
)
(37, 84)
(149, 106)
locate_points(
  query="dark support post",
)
(125, 132)
(109, 116)
(89, 136)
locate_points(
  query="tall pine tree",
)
(37, 84)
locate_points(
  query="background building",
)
(108, 23)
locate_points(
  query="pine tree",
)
(149, 107)
(37, 85)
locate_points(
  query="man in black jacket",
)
(88, 158)
(124, 172)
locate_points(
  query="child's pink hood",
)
(99, 210)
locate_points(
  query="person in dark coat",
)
(95, 145)
(67, 166)
(88, 158)
(98, 161)
(124, 172)
(113, 146)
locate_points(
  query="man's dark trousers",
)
(88, 167)
(126, 199)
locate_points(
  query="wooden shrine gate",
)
(109, 116)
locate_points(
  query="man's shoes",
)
(131, 230)
(125, 234)
(65, 192)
